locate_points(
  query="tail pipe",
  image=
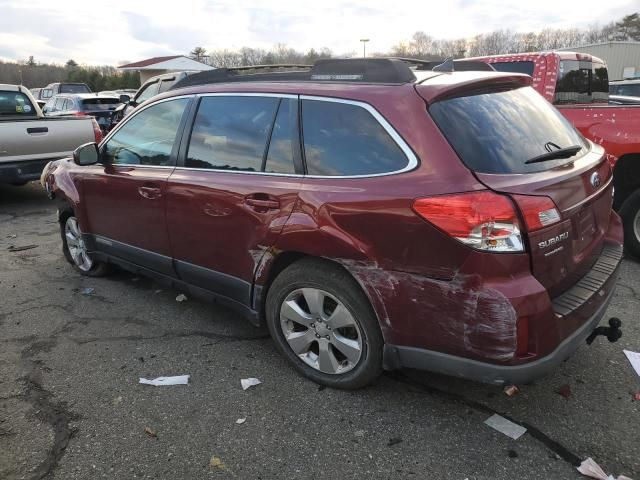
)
(612, 332)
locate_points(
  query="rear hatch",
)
(517, 144)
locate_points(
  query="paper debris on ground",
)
(510, 390)
(216, 462)
(150, 432)
(181, 298)
(591, 469)
(249, 382)
(20, 249)
(505, 426)
(160, 381)
(634, 359)
(240, 421)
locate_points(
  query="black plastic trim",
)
(221, 283)
(591, 283)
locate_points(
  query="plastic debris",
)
(564, 390)
(20, 249)
(505, 426)
(591, 469)
(240, 421)
(636, 396)
(150, 432)
(249, 382)
(161, 381)
(87, 291)
(215, 462)
(12, 236)
(181, 298)
(510, 390)
(634, 359)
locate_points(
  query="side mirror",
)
(86, 154)
(125, 98)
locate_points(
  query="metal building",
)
(622, 58)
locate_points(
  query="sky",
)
(122, 31)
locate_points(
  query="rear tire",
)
(630, 213)
(75, 250)
(317, 309)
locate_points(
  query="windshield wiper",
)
(555, 154)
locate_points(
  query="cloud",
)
(128, 31)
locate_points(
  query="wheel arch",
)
(273, 264)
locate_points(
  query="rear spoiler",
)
(443, 87)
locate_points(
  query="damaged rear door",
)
(235, 186)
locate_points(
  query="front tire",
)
(323, 323)
(630, 213)
(75, 250)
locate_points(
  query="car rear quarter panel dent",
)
(463, 314)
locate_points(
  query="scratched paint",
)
(478, 319)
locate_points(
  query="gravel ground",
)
(71, 406)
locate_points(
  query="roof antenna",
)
(446, 66)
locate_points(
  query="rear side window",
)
(498, 132)
(581, 82)
(627, 89)
(15, 103)
(525, 67)
(342, 139)
(231, 133)
(147, 138)
(74, 88)
(100, 103)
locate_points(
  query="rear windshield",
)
(15, 103)
(627, 89)
(74, 88)
(498, 132)
(581, 81)
(100, 103)
(525, 67)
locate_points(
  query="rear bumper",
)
(21, 172)
(398, 356)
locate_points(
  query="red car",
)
(578, 85)
(371, 215)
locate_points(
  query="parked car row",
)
(101, 107)
(370, 215)
(28, 140)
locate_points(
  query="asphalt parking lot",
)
(71, 406)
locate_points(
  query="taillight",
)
(482, 220)
(96, 130)
(538, 212)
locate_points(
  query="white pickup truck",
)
(28, 140)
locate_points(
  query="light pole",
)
(364, 46)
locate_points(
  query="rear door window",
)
(525, 67)
(498, 132)
(15, 103)
(231, 133)
(147, 138)
(344, 139)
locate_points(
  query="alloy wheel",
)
(76, 246)
(321, 331)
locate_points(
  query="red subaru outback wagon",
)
(373, 216)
